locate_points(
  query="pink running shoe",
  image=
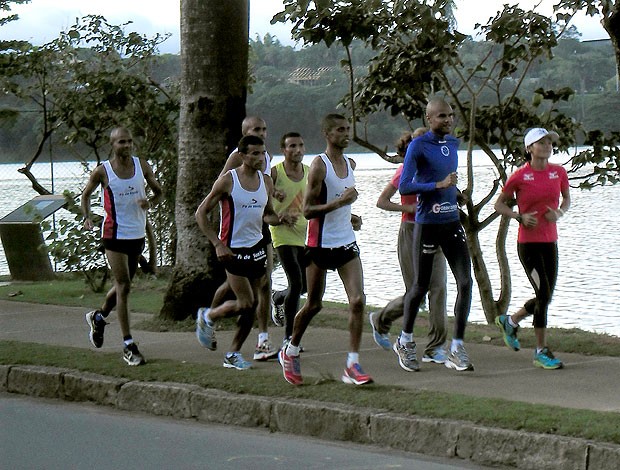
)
(355, 375)
(291, 367)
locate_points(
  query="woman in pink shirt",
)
(537, 187)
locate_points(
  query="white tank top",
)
(333, 229)
(241, 214)
(124, 219)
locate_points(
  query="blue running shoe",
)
(437, 355)
(546, 360)
(508, 331)
(235, 361)
(204, 331)
(382, 340)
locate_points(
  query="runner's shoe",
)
(97, 327)
(277, 312)
(132, 356)
(235, 361)
(547, 360)
(382, 340)
(265, 351)
(291, 368)
(437, 355)
(508, 331)
(205, 332)
(459, 360)
(407, 355)
(355, 375)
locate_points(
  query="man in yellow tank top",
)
(290, 178)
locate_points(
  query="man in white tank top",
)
(331, 245)
(244, 197)
(124, 226)
(254, 125)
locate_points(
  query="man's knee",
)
(465, 284)
(246, 318)
(357, 303)
(311, 308)
(245, 305)
(123, 287)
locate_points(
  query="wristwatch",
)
(519, 218)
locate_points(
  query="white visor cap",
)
(537, 133)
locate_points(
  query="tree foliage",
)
(418, 55)
(93, 77)
(608, 10)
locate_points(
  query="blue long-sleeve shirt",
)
(429, 159)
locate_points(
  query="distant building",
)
(308, 76)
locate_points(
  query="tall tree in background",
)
(214, 76)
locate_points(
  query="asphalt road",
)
(48, 434)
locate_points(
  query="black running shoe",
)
(132, 356)
(97, 328)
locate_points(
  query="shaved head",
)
(253, 125)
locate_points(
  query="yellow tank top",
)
(292, 203)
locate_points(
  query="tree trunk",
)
(214, 75)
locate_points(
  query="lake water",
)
(587, 294)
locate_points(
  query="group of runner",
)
(305, 214)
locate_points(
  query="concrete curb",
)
(438, 437)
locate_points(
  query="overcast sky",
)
(41, 20)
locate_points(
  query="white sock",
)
(352, 358)
(511, 322)
(455, 344)
(405, 338)
(292, 350)
(127, 342)
(262, 337)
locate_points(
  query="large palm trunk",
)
(214, 61)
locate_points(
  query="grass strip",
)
(598, 426)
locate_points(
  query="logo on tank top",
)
(253, 204)
(528, 177)
(128, 192)
(445, 150)
(553, 175)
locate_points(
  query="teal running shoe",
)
(508, 331)
(546, 360)
(236, 361)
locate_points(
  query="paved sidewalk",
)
(586, 382)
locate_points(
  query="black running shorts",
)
(333, 258)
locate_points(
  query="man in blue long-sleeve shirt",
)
(430, 172)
